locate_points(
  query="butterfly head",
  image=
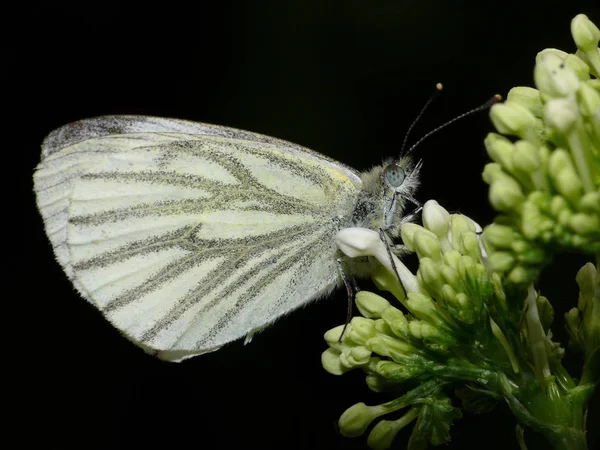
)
(386, 189)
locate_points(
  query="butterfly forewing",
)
(188, 236)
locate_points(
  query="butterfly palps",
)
(188, 236)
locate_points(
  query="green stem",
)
(569, 439)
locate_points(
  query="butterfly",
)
(187, 236)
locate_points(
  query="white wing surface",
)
(188, 236)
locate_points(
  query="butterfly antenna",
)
(495, 99)
(438, 90)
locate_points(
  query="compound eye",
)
(394, 175)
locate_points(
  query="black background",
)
(343, 78)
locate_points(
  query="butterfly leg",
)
(386, 242)
(410, 217)
(351, 289)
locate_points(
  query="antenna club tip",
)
(497, 97)
(439, 86)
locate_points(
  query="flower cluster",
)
(449, 301)
(546, 181)
(474, 324)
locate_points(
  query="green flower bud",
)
(398, 372)
(427, 245)
(462, 299)
(448, 295)
(540, 199)
(558, 205)
(387, 281)
(552, 77)
(460, 224)
(371, 305)
(590, 202)
(465, 267)
(355, 357)
(551, 51)
(424, 330)
(506, 195)
(561, 113)
(407, 232)
(330, 360)
(498, 236)
(435, 218)
(513, 119)
(332, 337)
(579, 66)
(382, 435)
(585, 34)
(500, 149)
(588, 100)
(527, 97)
(563, 175)
(361, 329)
(501, 261)
(396, 320)
(526, 157)
(584, 223)
(356, 419)
(384, 432)
(420, 305)
(493, 172)
(383, 328)
(450, 275)
(469, 245)
(451, 257)
(429, 274)
(387, 346)
(521, 275)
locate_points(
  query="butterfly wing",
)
(188, 236)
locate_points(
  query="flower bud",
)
(579, 66)
(588, 100)
(512, 119)
(552, 77)
(356, 419)
(500, 149)
(451, 257)
(563, 175)
(585, 33)
(506, 195)
(520, 275)
(527, 97)
(397, 321)
(561, 113)
(584, 223)
(361, 329)
(332, 337)
(371, 305)
(330, 360)
(498, 236)
(526, 157)
(408, 233)
(355, 357)
(435, 218)
(420, 305)
(427, 245)
(385, 345)
(501, 261)
(429, 273)
(590, 202)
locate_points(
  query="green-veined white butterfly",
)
(188, 236)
